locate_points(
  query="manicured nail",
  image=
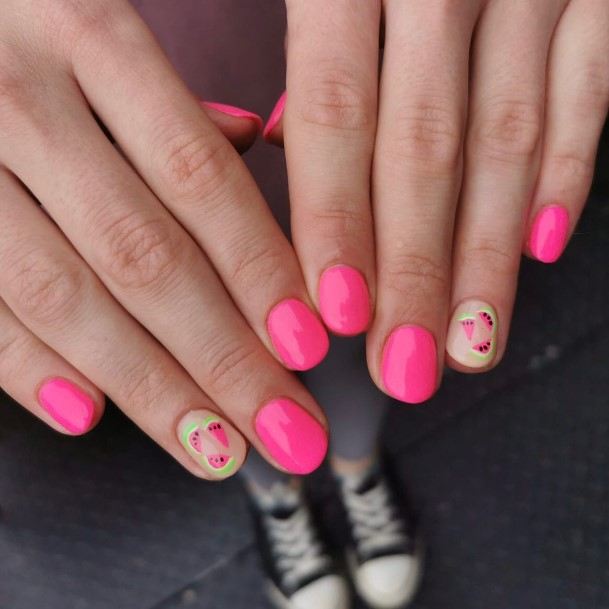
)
(68, 404)
(549, 233)
(472, 334)
(296, 440)
(236, 112)
(344, 301)
(410, 363)
(298, 336)
(276, 115)
(217, 447)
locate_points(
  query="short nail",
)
(236, 112)
(67, 404)
(344, 301)
(472, 334)
(549, 233)
(298, 336)
(293, 437)
(214, 444)
(409, 367)
(276, 115)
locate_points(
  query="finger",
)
(240, 127)
(502, 161)
(577, 103)
(330, 121)
(43, 382)
(160, 276)
(273, 130)
(416, 178)
(61, 301)
(195, 173)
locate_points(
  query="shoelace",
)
(297, 550)
(375, 521)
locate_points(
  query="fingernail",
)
(549, 233)
(276, 115)
(297, 335)
(410, 362)
(68, 404)
(216, 446)
(344, 301)
(293, 437)
(236, 112)
(472, 334)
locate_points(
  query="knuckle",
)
(430, 134)
(14, 348)
(333, 221)
(141, 254)
(145, 385)
(257, 264)
(228, 367)
(491, 257)
(573, 167)
(195, 167)
(417, 275)
(508, 130)
(595, 87)
(338, 100)
(47, 290)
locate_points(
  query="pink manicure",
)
(236, 112)
(297, 335)
(276, 115)
(69, 405)
(549, 233)
(296, 440)
(344, 302)
(409, 367)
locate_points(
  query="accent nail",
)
(293, 437)
(67, 404)
(236, 112)
(214, 444)
(410, 363)
(276, 115)
(549, 233)
(298, 336)
(344, 300)
(472, 334)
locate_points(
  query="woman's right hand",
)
(157, 276)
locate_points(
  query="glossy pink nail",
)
(549, 233)
(344, 301)
(236, 112)
(296, 440)
(69, 405)
(409, 367)
(276, 115)
(297, 335)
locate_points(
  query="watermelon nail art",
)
(472, 334)
(212, 442)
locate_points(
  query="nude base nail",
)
(67, 404)
(213, 443)
(472, 334)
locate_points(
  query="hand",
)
(158, 275)
(476, 140)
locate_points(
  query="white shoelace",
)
(297, 551)
(376, 525)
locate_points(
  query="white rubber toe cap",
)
(329, 592)
(388, 582)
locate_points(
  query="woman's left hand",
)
(476, 140)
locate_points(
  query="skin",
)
(142, 281)
(483, 113)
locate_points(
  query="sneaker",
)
(300, 572)
(383, 559)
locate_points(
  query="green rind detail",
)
(466, 316)
(223, 471)
(186, 433)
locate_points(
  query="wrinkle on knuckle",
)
(143, 386)
(256, 264)
(416, 274)
(490, 257)
(229, 366)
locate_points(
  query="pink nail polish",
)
(549, 233)
(409, 368)
(297, 335)
(296, 440)
(236, 112)
(69, 405)
(344, 301)
(276, 115)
